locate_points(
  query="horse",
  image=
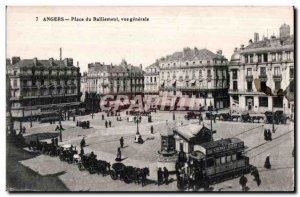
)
(144, 173)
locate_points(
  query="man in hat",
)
(102, 116)
(269, 135)
(243, 182)
(159, 176)
(267, 162)
(82, 143)
(151, 129)
(122, 142)
(166, 175)
(106, 123)
(109, 123)
(119, 155)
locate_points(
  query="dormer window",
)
(187, 63)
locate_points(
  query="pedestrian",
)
(24, 129)
(266, 134)
(74, 118)
(88, 124)
(166, 175)
(109, 123)
(81, 152)
(151, 129)
(122, 142)
(159, 177)
(269, 135)
(255, 173)
(77, 124)
(102, 116)
(52, 142)
(82, 143)
(119, 155)
(181, 123)
(267, 162)
(243, 182)
(140, 119)
(106, 123)
(56, 141)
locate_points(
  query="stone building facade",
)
(270, 62)
(41, 85)
(151, 78)
(124, 79)
(195, 73)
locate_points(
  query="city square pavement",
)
(105, 141)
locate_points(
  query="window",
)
(154, 79)
(251, 58)
(234, 74)
(279, 56)
(273, 57)
(249, 85)
(15, 72)
(193, 63)
(233, 157)
(235, 85)
(187, 63)
(291, 73)
(263, 86)
(209, 73)
(249, 71)
(228, 158)
(174, 64)
(15, 83)
(288, 55)
(246, 59)
(263, 101)
(218, 160)
(276, 71)
(200, 72)
(265, 57)
(263, 71)
(278, 102)
(259, 58)
(223, 160)
(277, 85)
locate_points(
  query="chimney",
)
(60, 54)
(77, 63)
(273, 37)
(70, 61)
(250, 41)
(35, 61)
(235, 49)
(15, 60)
(219, 52)
(256, 37)
(242, 47)
(141, 66)
(51, 61)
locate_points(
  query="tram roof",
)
(222, 142)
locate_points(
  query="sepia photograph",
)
(150, 99)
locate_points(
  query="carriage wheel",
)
(113, 175)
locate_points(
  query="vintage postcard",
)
(150, 99)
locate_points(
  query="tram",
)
(213, 162)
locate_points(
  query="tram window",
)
(223, 160)
(218, 160)
(233, 157)
(240, 156)
(228, 158)
(209, 163)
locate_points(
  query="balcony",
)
(263, 77)
(249, 78)
(233, 91)
(277, 77)
(249, 90)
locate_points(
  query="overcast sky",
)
(169, 29)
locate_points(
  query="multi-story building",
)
(263, 63)
(111, 79)
(39, 85)
(151, 79)
(200, 74)
(83, 86)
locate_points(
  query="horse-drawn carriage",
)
(84, 124)
(246, 118)
(257, 117)
(88, 162)
(192, 115)
(210, 116)
(129, 174)
(67, 152)
(278, 117)
(44, 147)
(225, 117)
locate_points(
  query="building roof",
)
(192, 54)
(67, 63)
(189, 131)
(272, 44)
(121, 68)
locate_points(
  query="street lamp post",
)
(60, 134)
(92, 107)
(211, 117)
(137, 125)
(200, 115)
